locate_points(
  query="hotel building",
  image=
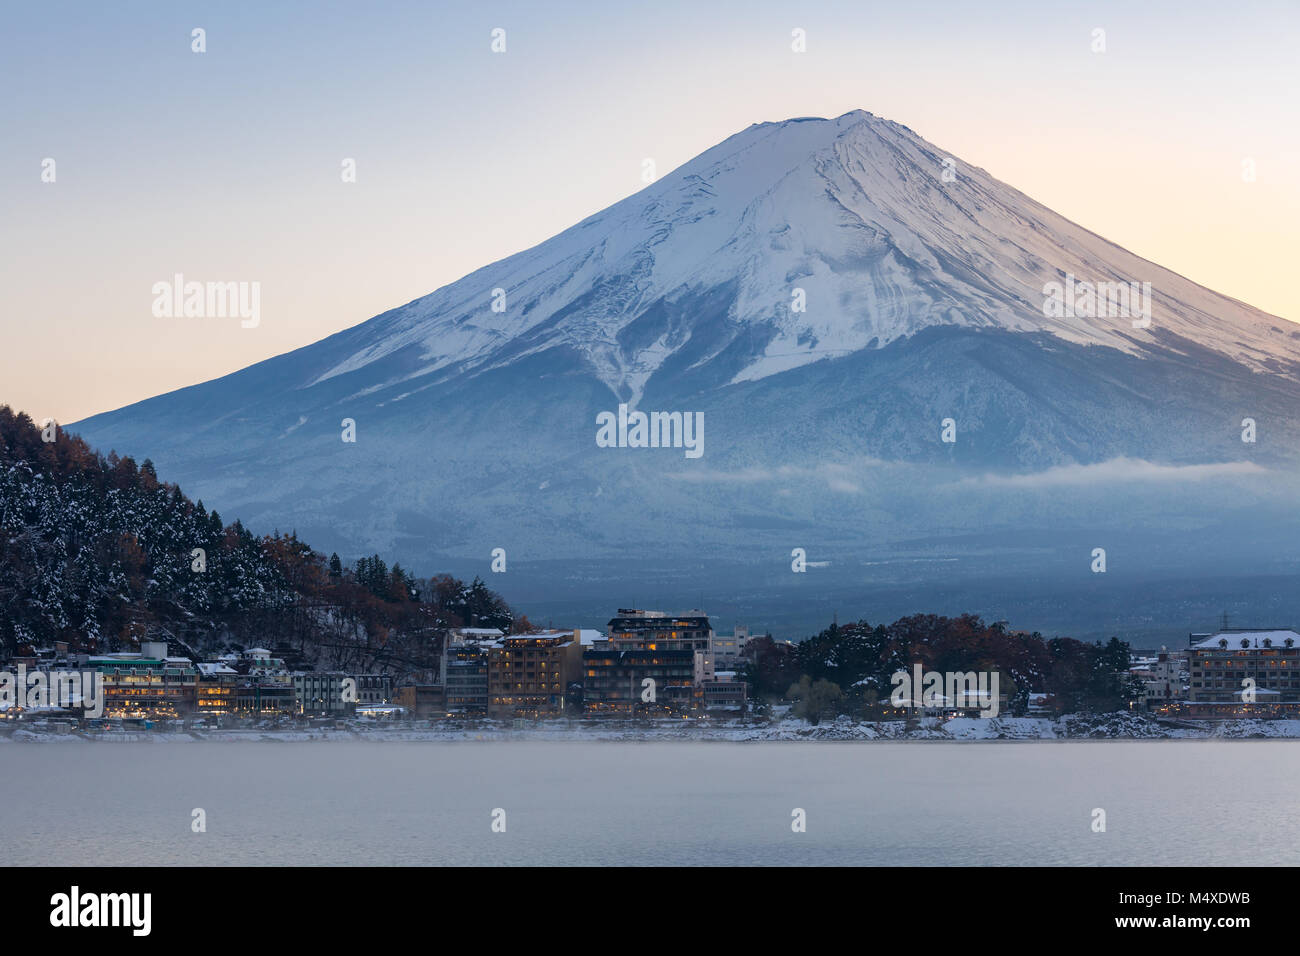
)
(464, 672)
(266, 689)
(147, 684)
(675, 651)
(1220, 663)
(634, 629)
(374, 689)
(321, 695)
(529, 674)
(215, 689)
(728, 650)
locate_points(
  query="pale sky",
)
(225, 165)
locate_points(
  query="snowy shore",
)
(1118, 726)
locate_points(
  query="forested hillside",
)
(856, 662)
(98, 551)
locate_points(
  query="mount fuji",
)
(835, 297)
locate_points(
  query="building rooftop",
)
(209, 668)
(551, 637)
(1253, 639)
(657, 620)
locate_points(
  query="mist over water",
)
(610, 804)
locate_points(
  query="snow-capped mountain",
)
(853, 211)
(826, 293)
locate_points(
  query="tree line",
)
(95, 550)
(847, 669)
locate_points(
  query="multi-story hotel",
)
(656, 630)
(614, 679)
(728, 650)
(529, 674)
(215, 689)
(723, 691)
(265, 688)
(321, 695)
(145, 684)
(264, 697)
(1164, 680)
(464, 672)
(1220, 664)
(374, 689)
(672, 655)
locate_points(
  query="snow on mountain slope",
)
(855, 212)
(924, 301)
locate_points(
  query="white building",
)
(1163, 677)
(728, 650)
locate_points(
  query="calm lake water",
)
(601, 803)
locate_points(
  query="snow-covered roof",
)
(209, 668)
(544, 635)
(1254, 639)
(590, 636)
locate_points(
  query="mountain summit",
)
(855, 212)
(863, 322)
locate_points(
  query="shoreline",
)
(1071, 727)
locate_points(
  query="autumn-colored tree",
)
(814, 699)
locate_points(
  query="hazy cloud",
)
(1117, 470)
(837, 477)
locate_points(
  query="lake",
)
(680, 803)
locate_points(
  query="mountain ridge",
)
(454, 324)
